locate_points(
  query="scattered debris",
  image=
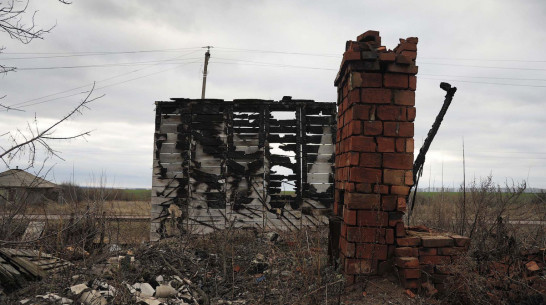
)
(19, 266)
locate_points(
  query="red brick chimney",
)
(374, 151)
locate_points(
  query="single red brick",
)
(402, 59)
(398, 161)
(385, 144)
(353, 97)
(363, 174)
(346, 248)
(406, 252)
(371, 80)
(396, 68)
(371, 251)
(389, 236)
(388, 203)
(363, 187)
(373, 128)
(409, 273)
(361, 112)
(372, 218)
(408, 241)
(437, 241)
(409, 145)
(387, 56)
(354, 128)
(365, 235)
(376, 96)
(435, 260)
(391, 113)
(351, 55)
(370, 160)
(406, 262)
(344, 230)
(391, 128)
(409, 178)
(361, 144)
(395, 80)
(400, 230)
(391, 176)
(410, 54)
(401, 129)
(406, 129)
(413, 82)
(400, 190)
(401, 206)
(349, 216)
(427, 251)
(353, 158)
(411, 114)
(355, 80)
(404, 97)
(400, 145)
(357, 201)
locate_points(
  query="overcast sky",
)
(492, 51)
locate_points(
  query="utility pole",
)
(207, 56)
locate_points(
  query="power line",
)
(107, 86)
(484, 59)
(134, 63)
(487, 83)
(484, 67)
(265, 64)
(487, 77)
(91, 53)
(100, 53)
(100, 81)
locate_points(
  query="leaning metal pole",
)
(420, 160)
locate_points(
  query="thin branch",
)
(41, 136)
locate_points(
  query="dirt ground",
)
(237, 266)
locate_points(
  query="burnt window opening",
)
(244, 163)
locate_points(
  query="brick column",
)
(374, 150)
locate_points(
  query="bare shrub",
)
(507, 229)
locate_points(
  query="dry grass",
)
(111, 208)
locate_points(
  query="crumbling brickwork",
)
(374, 151)
(421, 258)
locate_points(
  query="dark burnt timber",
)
(420, 160)
(242, 163)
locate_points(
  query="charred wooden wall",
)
(240, 163)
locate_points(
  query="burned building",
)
(242, 163)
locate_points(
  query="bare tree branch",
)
(41, 137)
